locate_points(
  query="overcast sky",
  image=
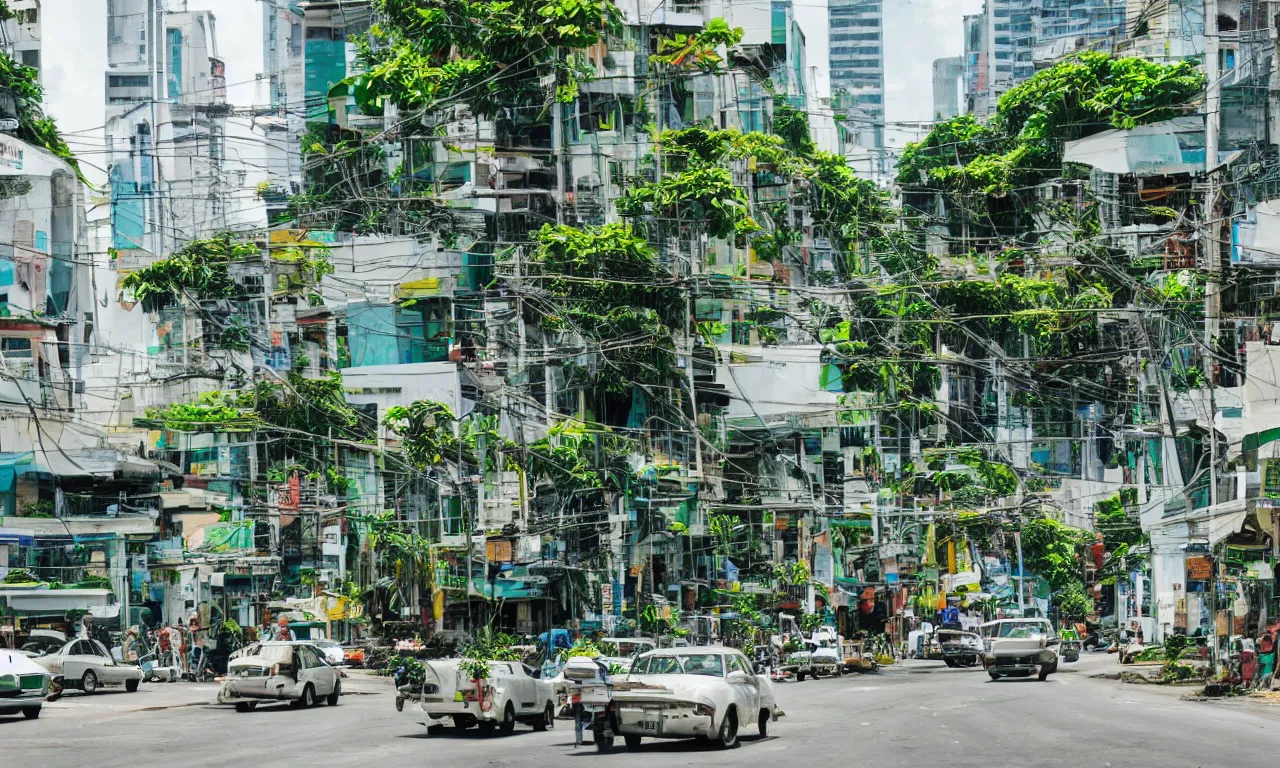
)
(916, 33)
(75, 61)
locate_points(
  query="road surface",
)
(914, 714)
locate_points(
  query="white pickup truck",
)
(513, 692)
(1019, 648)
(821, 656)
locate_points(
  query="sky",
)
(916, 33)
(75, 61)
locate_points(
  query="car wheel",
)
(246, 706)
(1044, 674)
(399, 703)
(548, 719)
(763, 724)
(487, 727)
(131, 685)
(949, 662)
(508, 725)
(461, 722)
(633, 742)
(31, 713)
(89, 683)
(332, 699)
(839, 671)
(308, 697)
(728, 736)
(799, 677)
(994, 675)
(603, 740)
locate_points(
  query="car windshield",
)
(1021, 629)
(41, 646)
(709, 664)
(272, 654)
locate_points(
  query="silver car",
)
(85, 664)
(295, 672)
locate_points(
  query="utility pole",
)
(1209, 221)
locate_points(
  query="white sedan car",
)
(294, 671)
(23, 684)
(682, 693)
(85, 664)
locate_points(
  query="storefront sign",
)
(1199, 569)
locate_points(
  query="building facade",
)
(856, 63)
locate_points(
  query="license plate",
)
(651, 722)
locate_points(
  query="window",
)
(709, 664)
(15, 348)
(129, 81)
(641, 666)
(82, 648)
(739, 664)
(307, 658)
(664, 665)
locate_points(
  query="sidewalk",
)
(155, 697)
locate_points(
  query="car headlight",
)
(9, 683)
(704, 710)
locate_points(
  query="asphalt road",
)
(917, 714)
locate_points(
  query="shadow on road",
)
(669, 746)
(442, 731)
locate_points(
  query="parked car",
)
(353, 655)
(960, 648)
(512, 693)
(23, 685)
(821, 656)
(42, 642)
(684, 693)
(333, 651)
(1020, 648)
(294, 671)
(86, 664)
(630, 647)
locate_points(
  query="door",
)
(518, 683)
(746, 690)
(314, 671)
(109, 671)
(535, 700)
(79, 658)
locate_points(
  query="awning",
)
(55, 601)
(11, 465)
(86, 529)
(23, 538)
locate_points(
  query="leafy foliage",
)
(487, 55)
(34, 126)
(212, 412)
(698, 50)
(427, 432)
(200, 270)
(1075, 98)
(578, 457)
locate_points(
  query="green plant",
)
(199, 270)
(42, 508)
(21, 576)
(699, 48)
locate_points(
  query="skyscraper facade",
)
(857, 61)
